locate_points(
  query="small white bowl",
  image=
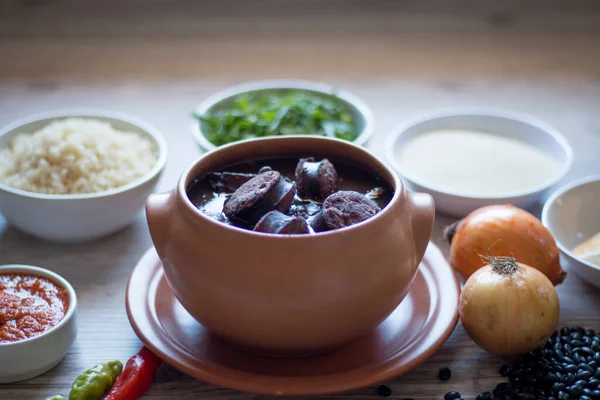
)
(572, 215)
(79, 217)
(31, 357)
(504, 123)
(360, 111)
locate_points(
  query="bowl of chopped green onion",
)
(281, 108)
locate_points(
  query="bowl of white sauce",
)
(467, 159)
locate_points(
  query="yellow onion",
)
(508, 308)
(512, 232)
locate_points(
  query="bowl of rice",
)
(73, 176)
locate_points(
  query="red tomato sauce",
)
(29, 306)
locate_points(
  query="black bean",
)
(581, 383)
(587, 367)
(583, 375)
(575, 335)
(525, 396)
(569, 367)
(505, 370)
(567, 349)
(527, 388)
(567, 360)
(484, 396)
(558, 386)
(444, 374)
(585, 398)
(563, 395)
(452, 396)
(514, 379)
(576, 390)
(384, 391)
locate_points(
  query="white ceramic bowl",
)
(503, 123)
(360, 111)
(572, 215)
(79, 217)
(31, 357)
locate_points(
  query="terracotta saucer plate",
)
(412, 333)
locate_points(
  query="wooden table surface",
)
(157, 61)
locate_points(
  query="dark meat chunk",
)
(318, 223)
(266, 192)
(278, 222)
(316, 180)
(304, 209)
(228, 182)
(347, 208)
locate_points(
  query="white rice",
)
(74, 156)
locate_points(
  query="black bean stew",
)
(290, 195)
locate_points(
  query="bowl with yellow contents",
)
(472, 158)
(571, 215)
(38, 321)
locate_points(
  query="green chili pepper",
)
(96, 381)
(57, 397)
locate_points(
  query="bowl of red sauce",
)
(38, 321)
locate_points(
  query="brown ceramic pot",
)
(290, 295)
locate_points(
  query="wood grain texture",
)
(279, 38)
(403, 58)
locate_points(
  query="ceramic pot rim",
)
(191, 171)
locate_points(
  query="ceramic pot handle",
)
(422, 217)
(158, 211)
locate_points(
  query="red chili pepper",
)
(136, 377)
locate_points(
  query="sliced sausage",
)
(347, 208)
(278, 222)
(316, 180)
(261, 194)
(318, 223)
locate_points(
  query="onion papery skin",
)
(508, 231)
(509, 315)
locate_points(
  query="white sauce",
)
(475, 163)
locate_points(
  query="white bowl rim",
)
(398, 130)
(42, 273)
(91, 113)
(324, 88)
(550, 203)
